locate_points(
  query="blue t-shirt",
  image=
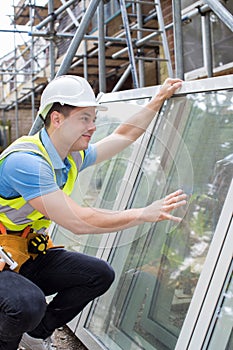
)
(29, 175)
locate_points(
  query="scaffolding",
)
(113, 44)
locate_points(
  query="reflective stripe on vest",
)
(16, 213)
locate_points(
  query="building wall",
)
(21, 126)
(155, 75)
(168, 19)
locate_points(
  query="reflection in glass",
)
(157, 266)
(193, 46)
(222, 337)
(99, 184)
(221, 37)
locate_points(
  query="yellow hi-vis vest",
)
(16, 213)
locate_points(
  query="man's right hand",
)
(161, 209)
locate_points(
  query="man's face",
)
(79, 127)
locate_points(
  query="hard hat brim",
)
(43, 111)
(98, 106)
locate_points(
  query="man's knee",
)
(23, 304)
(106, 274)
(33, 308)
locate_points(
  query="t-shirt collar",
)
(52, 152)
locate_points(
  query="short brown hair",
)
(64, 109)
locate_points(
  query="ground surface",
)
(64, 339)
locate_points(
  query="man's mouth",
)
(87, 136)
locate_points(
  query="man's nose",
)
(92, 126)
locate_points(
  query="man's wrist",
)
(156, 102)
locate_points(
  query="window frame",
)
(210, 284)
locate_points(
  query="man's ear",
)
(56, 119)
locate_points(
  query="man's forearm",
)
(136, 125)
(61, 209)
(95, 221)
(129, 131)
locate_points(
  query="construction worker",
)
(37, 176)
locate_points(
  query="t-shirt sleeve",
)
(26, 174)
(90, 157)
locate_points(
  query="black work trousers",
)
(73, 279)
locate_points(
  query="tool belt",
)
(23, 245)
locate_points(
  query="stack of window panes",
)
(173, 286)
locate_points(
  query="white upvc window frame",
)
(210, 284)
(204, 303)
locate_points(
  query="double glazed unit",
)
(173, 286)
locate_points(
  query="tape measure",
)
(38, 244)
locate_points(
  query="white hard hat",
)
(68, 89)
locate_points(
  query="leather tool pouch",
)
(17, 247)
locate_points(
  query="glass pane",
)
(158, 266)
(82, 194)
(222, 39)
(222, 337)
(192, 44)
(99, 185)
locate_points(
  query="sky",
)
(8, 39)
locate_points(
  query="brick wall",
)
(168, 19)
(152, 76)
(23, 124)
